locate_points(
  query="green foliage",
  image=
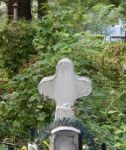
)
(122, 8)
(113, 59)
(62, 24)
(97, 37)
(57, 35)
(70, 122)
(21, 107)
(100, 16)
(16, 46)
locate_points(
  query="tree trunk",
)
(41, 9)
(10, 8)
(24, 9)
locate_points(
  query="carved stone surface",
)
(65, 87)
(65, 138)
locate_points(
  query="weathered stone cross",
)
(65, 87)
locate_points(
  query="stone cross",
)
(65, 87)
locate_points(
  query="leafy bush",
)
(94, 59)
(113, 60)
(22, 103)
(16, 45)
(25, 109)
(97, 37)
(58, 36)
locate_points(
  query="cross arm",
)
(45, 87)
(84, 86)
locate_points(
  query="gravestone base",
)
(65, 87)
(65, 138)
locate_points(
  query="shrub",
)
(113, 60)
(16, 45)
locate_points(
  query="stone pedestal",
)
(65, 138)
(65, 87)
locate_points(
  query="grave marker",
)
(65, 87)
